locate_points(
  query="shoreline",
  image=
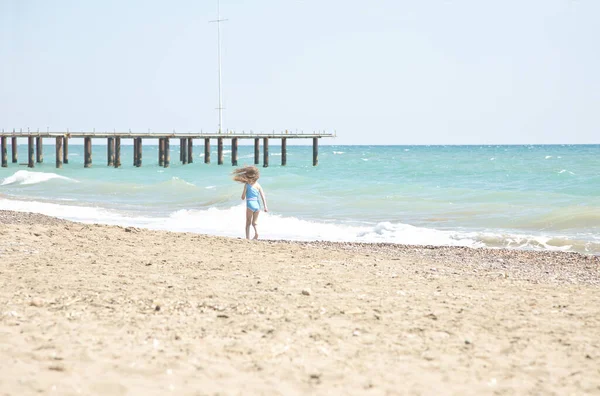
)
(320, 242)
(114, 310)
(507, 257)
(502, 239)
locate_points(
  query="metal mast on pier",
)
(218, 21)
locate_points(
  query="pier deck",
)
(173, 135)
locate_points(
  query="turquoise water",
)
(526, 197)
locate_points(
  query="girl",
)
(249, 176)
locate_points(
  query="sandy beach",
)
(94, 309)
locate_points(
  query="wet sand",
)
(93, 309)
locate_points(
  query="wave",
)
(564, 170)
(83, 214)
(173, 186)
(177, 180)
(567, 218)
(588, 244)
(230, 222)
(24, 177)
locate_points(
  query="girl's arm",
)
(244, 192)
(264, 199)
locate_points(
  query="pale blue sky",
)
(378, 72)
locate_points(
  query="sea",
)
(533, 197)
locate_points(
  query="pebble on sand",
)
(36, 302)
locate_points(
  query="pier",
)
(35, 144)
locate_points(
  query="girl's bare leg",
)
(249, 214)
(255, 223)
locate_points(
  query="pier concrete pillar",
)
(161, 151)
(256, 151)
(207, 150)
(87, 152)
(184, 157)
(118, 152)
(265, 152)
(181, 150)
(220, 151)
(283, 151)
(14, 148)
(59, 152)
(135, 151)
(315, 151)
(4, 152)
(31, 154)
(65, 150)
(234, 151)
(139, 152)
(167, 153)
(190, 150)
(39, 150)
(110, 151)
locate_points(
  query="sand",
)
(93, 309)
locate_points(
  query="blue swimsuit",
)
(252, 198)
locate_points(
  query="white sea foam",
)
(338, 152)
(530, 242)
(175, 178)
(27, 177)
(230, 222)
(82, 214)
(408, 234)
(564, 170)
(548, 157)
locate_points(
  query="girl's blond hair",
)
(247, 174)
